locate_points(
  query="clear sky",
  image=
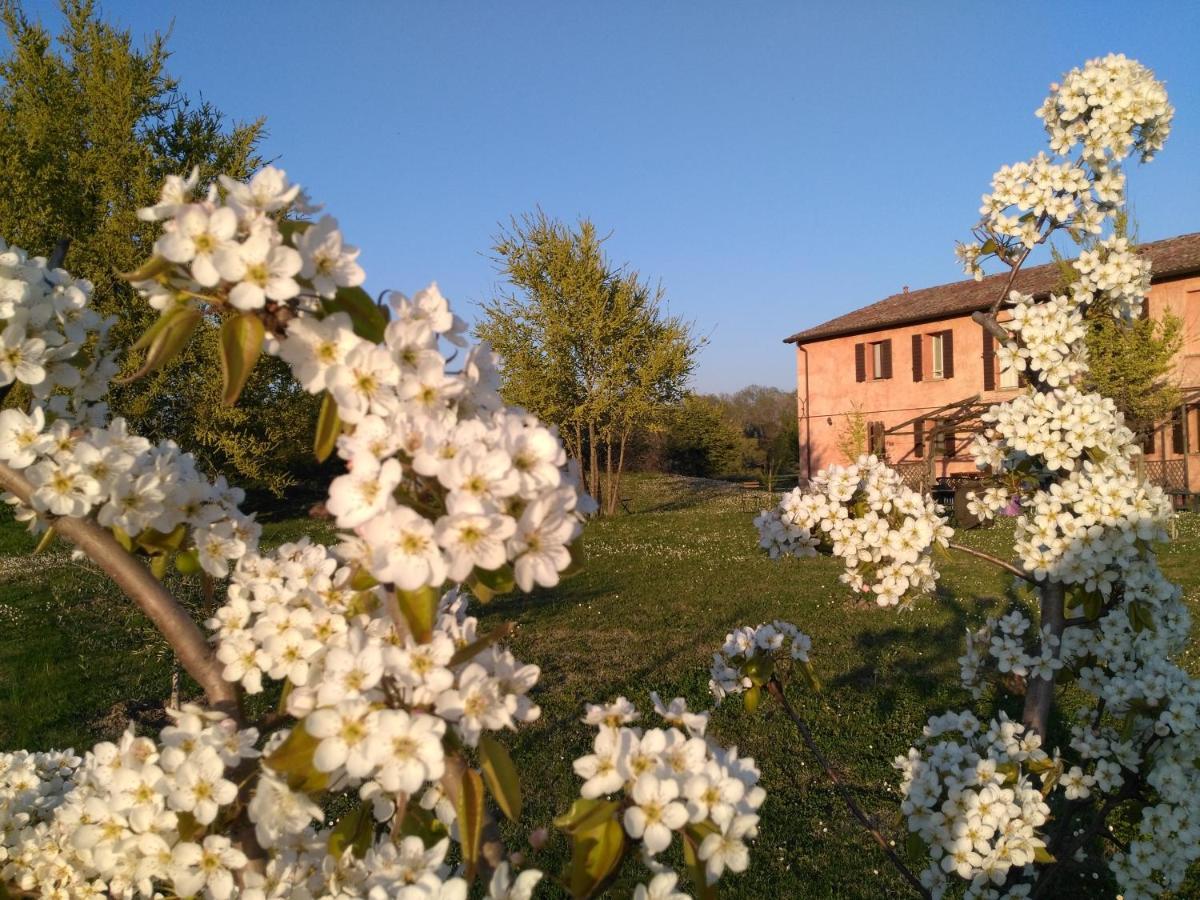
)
(773, 164)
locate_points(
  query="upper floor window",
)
(933, 355)
(993, 375)
(873, 361)
(937, 358)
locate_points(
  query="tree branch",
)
(135, 580)
(994, 560)
(775, 688)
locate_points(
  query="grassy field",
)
(660, 590)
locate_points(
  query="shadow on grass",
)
(922, 653)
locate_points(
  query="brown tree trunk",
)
(593, 473)
(1039, 692)
(620, 470)
(610, 497)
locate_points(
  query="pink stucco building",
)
(919, 370)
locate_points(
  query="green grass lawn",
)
(659, 592)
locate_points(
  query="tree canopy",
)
(90, 125)
(586, 345)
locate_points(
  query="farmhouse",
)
(919, 371)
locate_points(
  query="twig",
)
(994, 560)
(135, 580)
(775, 688)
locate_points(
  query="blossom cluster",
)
(1026, 195)
(1113, 107)
(1045, 337)
(1113, 273)
(746, 648)
(127, 816)
(53, 341)
(140, 489)
(971, 797)
(866, 516)
(233, 244)
(671, 780)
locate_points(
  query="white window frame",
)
(937, 359)
(1008, 379)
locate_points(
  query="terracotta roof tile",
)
(1170, 257)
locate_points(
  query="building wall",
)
(828, 393)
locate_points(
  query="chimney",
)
(905, 289)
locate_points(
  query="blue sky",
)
(773, 164)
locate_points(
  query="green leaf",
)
(501, 776)
(916, 849)
(123, 538)
(151, 540)
(46, 541)
(187, 826)
(421, 823)
(241, 346)
(752, 698)
(810, 676)
(356, 830)
(586, 814)
(473, 649)
(692, 839)
(419, 609)
(368, 317)
(151, 268)
(487, 585)
(989, 246)
(158, 565)
(362, 580)
(294, 760)
(289, 228)
(167, 343)
(1042, 855)
(596, 855)
(187, 562)
(470, 819)
(156, 329)
(329, 426)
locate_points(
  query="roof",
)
(1168, 258)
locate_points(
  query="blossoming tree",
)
(383, 770)
(994, 807)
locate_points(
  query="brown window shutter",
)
(860, 362)
(947, 354)
(886, 356)
(918, 371)
(919, 438)
(1176, 432)
(989, 361)
(1145, 312)
(951, 444)
(1148, 443)
(875, 442)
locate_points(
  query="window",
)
(993, 376)
(933, 355)
(936, 357)
(873, 361)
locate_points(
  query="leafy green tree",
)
(703, 442)
(585, 344)
(767, 415)
(90, 125)
(1131, 362)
